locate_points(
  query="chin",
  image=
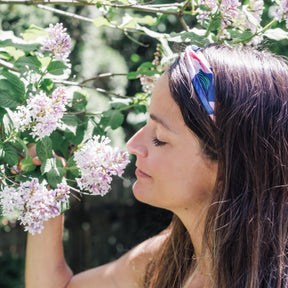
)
(145, 195)
(142, 194)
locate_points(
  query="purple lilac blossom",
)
(42, 114)
(98, 162)
(281, 12)
(211, 5)
(58, 42)
(229, 10)
(32, 203)
(251, 15)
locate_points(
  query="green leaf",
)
(118, 104)
(65, 206)
(27, 164)
(28, 63)
(7, 125)
(143, 69)
(112, 118)
(69, 123)
(21, 46)
(6, 99)
(79, 100)
(47, 165)
(12, 90)
(56, 68)
(14, 53)
(34, 32)
(140, 108)
(22, 146)
(57, 140)
(54, 171)
(237, 34)
(5, 56)
(72, 167)
(10, 155)
(276, 34)
(44, 149)
(132, 75)
(47, 85)
(196, 35)
(101, 21)
(2, 113)
(53, 179)
(148, 20)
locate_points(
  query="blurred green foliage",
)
(11, 270)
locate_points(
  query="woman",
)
(214, 152)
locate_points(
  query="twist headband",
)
(201, 76)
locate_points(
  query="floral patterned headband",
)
(201, 76)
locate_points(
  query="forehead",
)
(163, 106)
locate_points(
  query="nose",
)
(136, 144)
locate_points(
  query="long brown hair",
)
(246, 228)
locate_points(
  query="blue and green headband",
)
(201, 76)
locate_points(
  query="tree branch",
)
(82, 85)
(136, 7)
(8, 65)
(101, 76)
(61, 12)
(181, 14)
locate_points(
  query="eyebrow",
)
(160, 121)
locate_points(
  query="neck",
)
(195, 225)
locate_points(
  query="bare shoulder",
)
(138, 257)
(127, 272)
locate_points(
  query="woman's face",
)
(172, 171)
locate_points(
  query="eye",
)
(157, 142)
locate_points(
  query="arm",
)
(46, 266)
(45, 263)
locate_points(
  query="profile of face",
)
(172, 171)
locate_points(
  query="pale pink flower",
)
(250, 16)
(42, 114)
(32, 203)
(98, 162)
(281, 12)
(211, 5)
(58, 42)
(229, 11)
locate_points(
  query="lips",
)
(139, 173)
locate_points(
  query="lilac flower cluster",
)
(98, 162)
(42, 114)
(211, 6)
(32, 203)
(281, 12)
(228, 10)
(58, 42)
(251, 15)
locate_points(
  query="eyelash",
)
(157, 142)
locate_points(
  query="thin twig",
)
(134, 40)
(101, 90)
(183, 23)
(8, 65)
(101, 76)
(135, 7)
(61, 12)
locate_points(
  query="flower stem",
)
(256, 33)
